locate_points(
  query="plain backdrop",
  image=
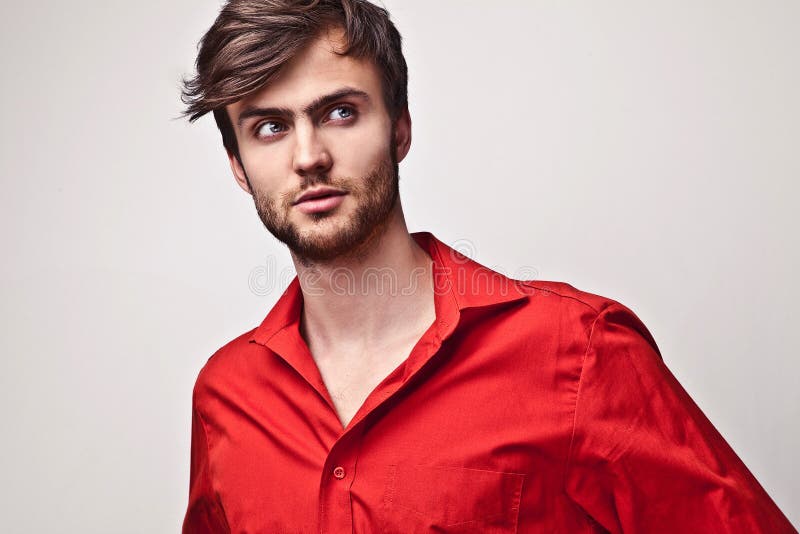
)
(645, 151)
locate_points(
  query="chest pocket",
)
(424, 498)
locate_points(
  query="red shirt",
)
(525, 407)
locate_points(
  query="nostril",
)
(313, 162)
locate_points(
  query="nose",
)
(311, 156)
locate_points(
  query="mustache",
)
(311, 180)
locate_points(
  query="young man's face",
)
(321, 129)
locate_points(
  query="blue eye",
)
(269, 129)
(340, 113)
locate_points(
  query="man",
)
(398, 386)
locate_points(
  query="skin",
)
(358, 336)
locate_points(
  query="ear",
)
(238, 172)
(402, 134)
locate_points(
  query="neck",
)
(372, 298)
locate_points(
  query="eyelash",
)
(347, 107)
(351, 109)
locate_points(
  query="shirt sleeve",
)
(204, 514)
(643, 457)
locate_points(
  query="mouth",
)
(319, 193)
(320, 200)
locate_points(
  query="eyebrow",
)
(254, 111)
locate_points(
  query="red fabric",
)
(528, 407)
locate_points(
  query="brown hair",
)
(251, 40)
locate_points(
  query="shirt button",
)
(338, 472)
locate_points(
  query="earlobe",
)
(402, 134)
(239, 172)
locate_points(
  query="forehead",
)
(315, 71)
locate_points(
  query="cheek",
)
(359, 151)
(267, 168)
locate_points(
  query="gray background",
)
(645, 151)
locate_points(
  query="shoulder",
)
(226, 363)
(560, 305)
(567, 295)
(567, 308)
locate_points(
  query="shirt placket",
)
(338, 474)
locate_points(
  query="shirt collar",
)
(467, 281)
(459, 283)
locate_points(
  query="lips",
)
(320, 200)
(319, 193)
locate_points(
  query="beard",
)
(325, 238)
